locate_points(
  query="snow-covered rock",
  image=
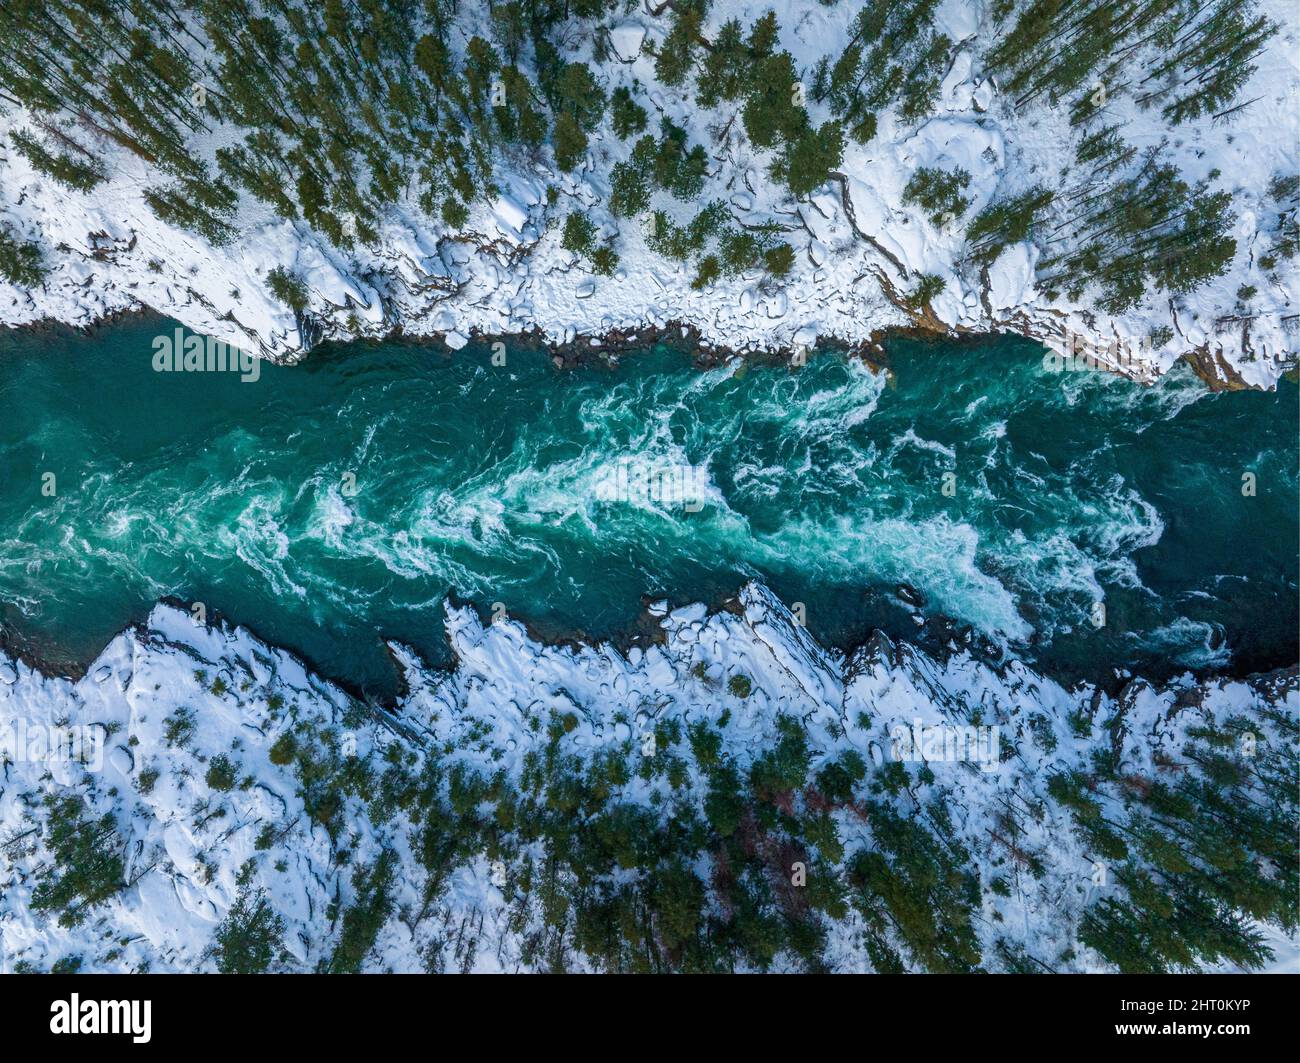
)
(626, 40)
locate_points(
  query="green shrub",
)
(288, 288)
(938, 192)
(926, 289)
(222, 773)
(283, 749)
(707, 273)
(837, 779)
(178, 728)
(604, 260)
(779, 260)
(20, 263)
(579, 234)
(626, 115)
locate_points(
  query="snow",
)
(626, 39)
(510, 218)
(183, 862)
(1011, 277)
(857, 246)
(507, 272)
(958, 19)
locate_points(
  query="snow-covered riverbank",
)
(859, 250)
(193, 735)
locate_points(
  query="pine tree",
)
(677, 52)
(20, 262)
(770, 113)
(570, 141)
(249, 938)
(626, 115)
(86, 868)
(938, 192)
(579, 234)
(81, 174)
(1006, 222)
(808, 161)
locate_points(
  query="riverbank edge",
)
(587, 351)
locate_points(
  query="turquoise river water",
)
(338, 502)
